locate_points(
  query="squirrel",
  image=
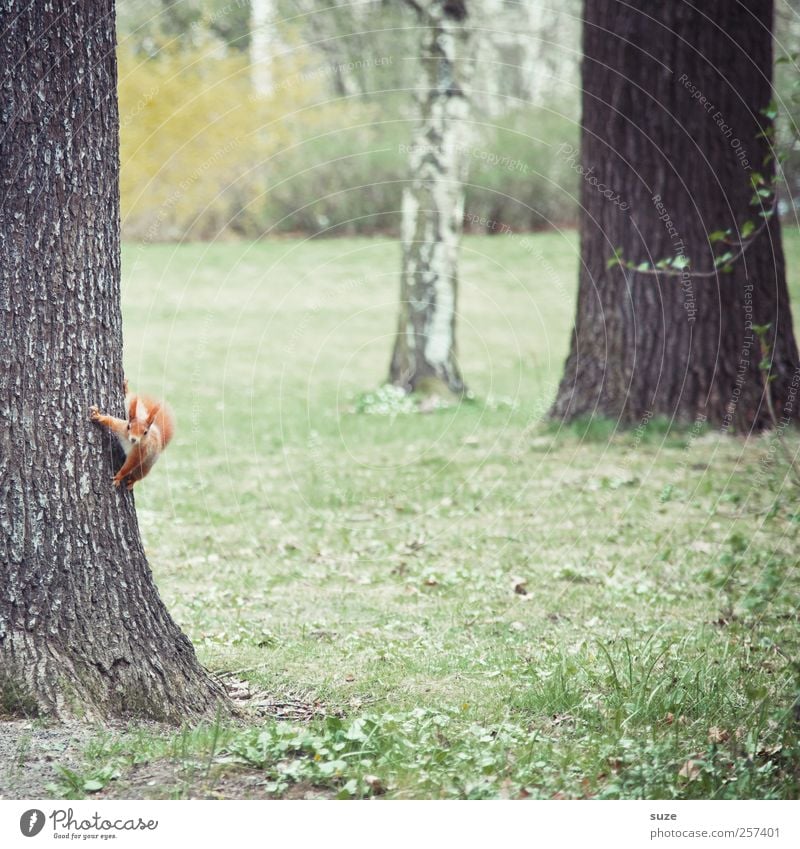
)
(143, 435)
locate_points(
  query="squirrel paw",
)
(94, 412)
(116, 482)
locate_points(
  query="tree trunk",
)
(262, 45)
(672, 130)
(83, 631)
(424, 357)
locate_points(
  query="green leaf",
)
(93, 785)
(722, 260)
(615, 259)
(747, 228)
(681, 262)
(770, 110)
(332, 767)
(718, 235)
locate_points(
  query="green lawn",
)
(483, 606)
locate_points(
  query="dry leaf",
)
(771, 752)
(717, 735)
(374, 783)
(690, 771)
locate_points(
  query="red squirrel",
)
(143, 435)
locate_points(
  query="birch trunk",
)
(672, 132)
(262, 45)
(424, 357)
(83, 631)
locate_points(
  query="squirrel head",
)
(140, 420)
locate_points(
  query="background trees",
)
(340, 116)
(82, 629)
(674, 125)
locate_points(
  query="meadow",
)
(467, 602)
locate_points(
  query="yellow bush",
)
(193, 137)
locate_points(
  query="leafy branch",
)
(736, 244)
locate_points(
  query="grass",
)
(487, 606)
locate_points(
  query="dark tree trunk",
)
(82, 629)
(672, 125)
(424, 356)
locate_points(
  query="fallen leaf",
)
(374, 783)
(717, 735)
(770, 752)
(690, 771)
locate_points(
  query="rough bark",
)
(424, 357)
(83, 631)
(672, 131)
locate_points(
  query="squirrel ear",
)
(152, 413)
(132, 409)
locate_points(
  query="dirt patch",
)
(34, 753)
(30, 752)
(166, 780)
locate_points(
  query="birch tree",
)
(424, 356)
(262, 45)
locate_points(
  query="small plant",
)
(387, 400)
(76, 785)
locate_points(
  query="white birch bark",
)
(262, 45)
(424, 357)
